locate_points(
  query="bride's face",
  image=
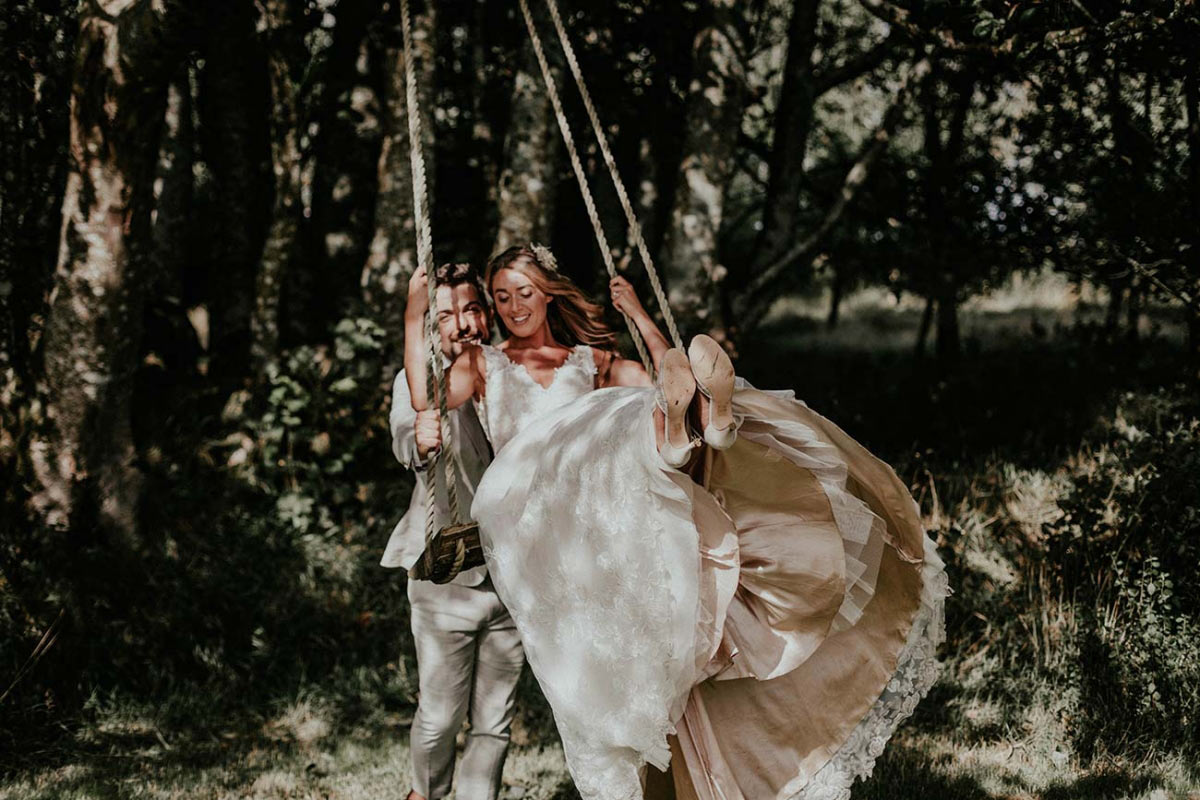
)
(519, 302)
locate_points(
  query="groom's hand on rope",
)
(429, 432)
(624, 298)
(418, 294)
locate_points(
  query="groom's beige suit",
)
(469, 655)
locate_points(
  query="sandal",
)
(673, 394)
(714, 378)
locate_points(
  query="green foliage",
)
(318, 494)
(260, 560)
(1126, 548)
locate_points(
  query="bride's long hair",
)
(573, 319)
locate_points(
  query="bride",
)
(757, 613)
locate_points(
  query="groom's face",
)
(462, 318)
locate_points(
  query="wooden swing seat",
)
(452, 550)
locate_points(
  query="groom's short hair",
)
(458, 274)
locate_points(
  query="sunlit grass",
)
(965, 749)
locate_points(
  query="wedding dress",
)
(764, 634)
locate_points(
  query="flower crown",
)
(544, 257)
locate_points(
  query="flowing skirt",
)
(770, 629)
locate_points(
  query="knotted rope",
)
(436, 379)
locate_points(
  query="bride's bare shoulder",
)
(603, 358)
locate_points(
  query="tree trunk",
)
(793, 121)
(1112, 314)
(34, 130)
(1133, 312)
(173, 352)
(924, 328)
(345, 165)
(483, 136)
(1191, 88)
(235, 144)
(716, 96)
(949, 343)
(173, 195)
(285, 160)
(84, 459)
(836, 290)
(393, 254)
(529, 179)
(943, 157)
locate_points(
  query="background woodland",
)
(966, 230)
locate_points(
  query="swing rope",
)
(635, 229)
(435, 383)
(436, 380)
(580, 176)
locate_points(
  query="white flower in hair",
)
(544, 256)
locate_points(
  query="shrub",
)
(1125, 550)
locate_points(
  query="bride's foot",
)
(714, 377)
(676, 387)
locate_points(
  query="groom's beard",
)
(458, 345)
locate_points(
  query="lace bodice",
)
(514, 398)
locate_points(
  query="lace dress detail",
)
(514, 397)
(916, 672)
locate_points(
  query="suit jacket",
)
(408, 537)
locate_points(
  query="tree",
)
(945, 128)
(529, 177)
(691, 262)
(700, 283)
(234, 136)
(344, 100)
(393, 253)
(34, 122)
(85, 459)
(1111, 153)
(286, 165)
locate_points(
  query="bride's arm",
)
(623, 372)
(464, 375)
(626, 301)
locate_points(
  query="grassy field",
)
(989, 449)
(303, 754)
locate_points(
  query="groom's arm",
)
(402, 420)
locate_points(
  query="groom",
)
(469, 655)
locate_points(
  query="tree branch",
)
(944, 39)
(1150, 272)
(762, 288)
(853, 67)
(754, 146)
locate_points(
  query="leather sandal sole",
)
(714, 375)
(679, 386)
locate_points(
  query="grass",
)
(988, 450)
(303, 750)
(304, 753)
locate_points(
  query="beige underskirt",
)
(807, 610)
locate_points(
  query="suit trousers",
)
(469, 659)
